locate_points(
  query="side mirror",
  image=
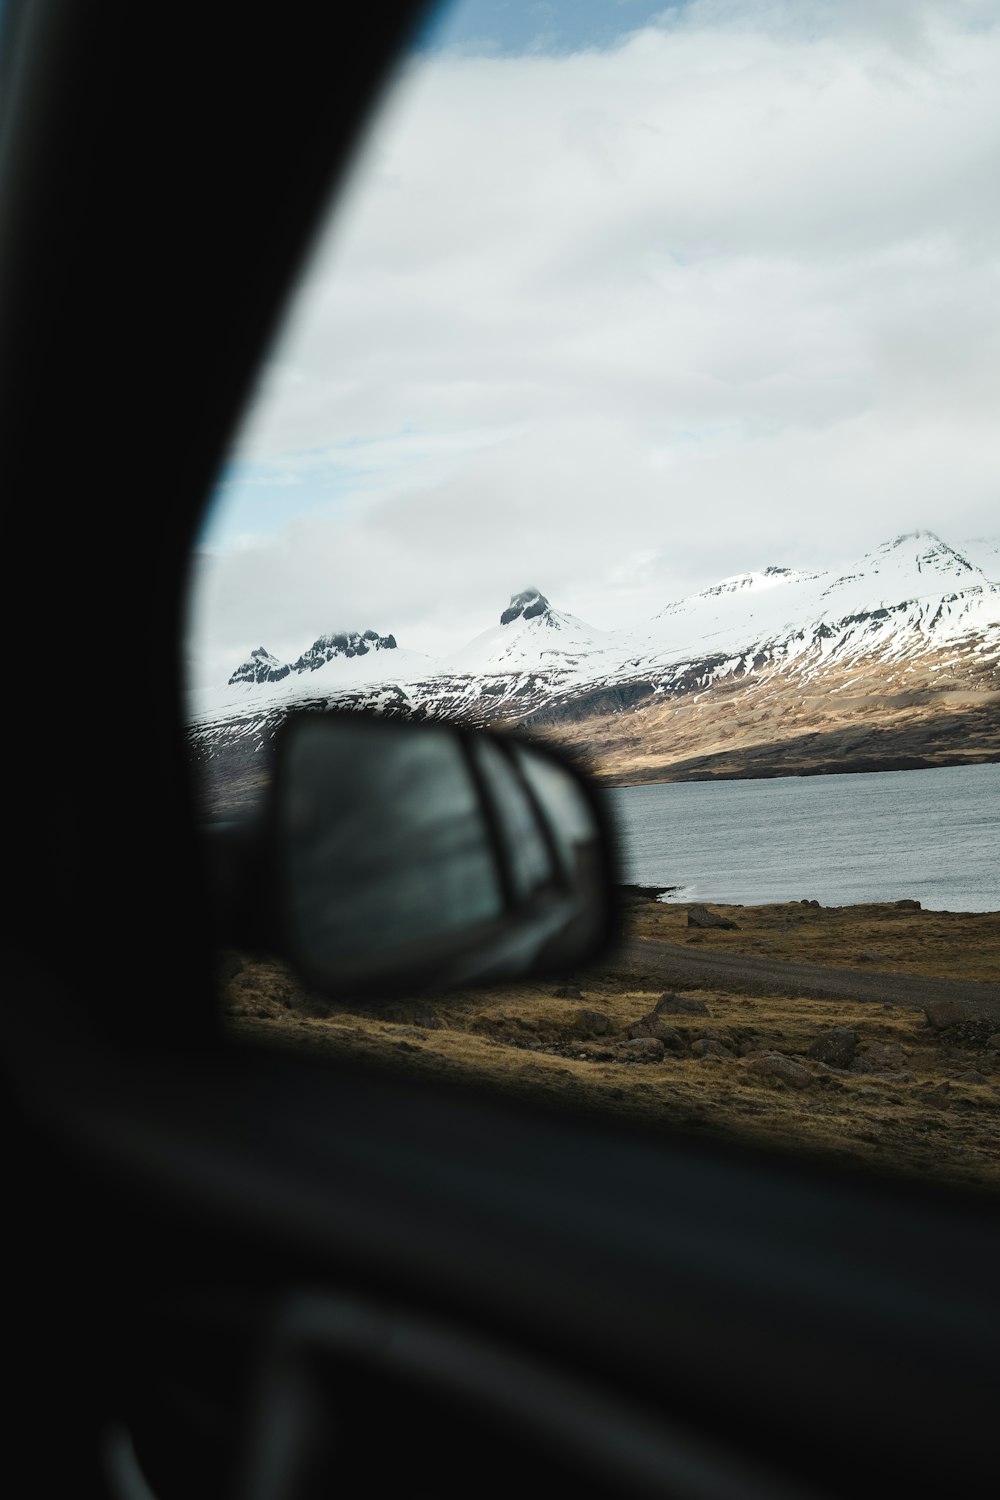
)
(396, 855)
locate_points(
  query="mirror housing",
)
(393, 855)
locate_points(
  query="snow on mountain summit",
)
(767, 578)
(531, 636)
(895, 601)
(908, 567)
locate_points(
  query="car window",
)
(639, 399)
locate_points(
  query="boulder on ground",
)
(708, 1047)
(592, 1022)
(651, 1025)
(643, 1049)
(782, 1069)
(567, 992)
(879, 1057)
(907, 905)
(700, 916)
(836, 1047)
(680, 1005)
(944, 1013)
(672, 1039)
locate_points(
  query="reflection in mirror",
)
(567, 813)
(524, 838)
(384, 844)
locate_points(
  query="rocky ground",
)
(905, 1083)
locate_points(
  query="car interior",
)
(235, 1271)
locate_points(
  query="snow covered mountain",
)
(909, 596)
(915, 610)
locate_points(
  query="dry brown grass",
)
(936, 1114)
(950, 945)
(943, 709)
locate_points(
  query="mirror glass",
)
(569, 815)
(522, 833)
(384, 849)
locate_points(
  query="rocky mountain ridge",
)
(912, 632)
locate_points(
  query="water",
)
(880, 836)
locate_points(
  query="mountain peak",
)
(347, 643)
(910, 565)
(260, 666)
(526, 605)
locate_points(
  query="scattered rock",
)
(775, 1065)
(944, 1013)
(567, 992)
(593, 1022)
(672, 1039)
(993, 1042)
(680, 1005)
(643, 1049)
(707, 1047)
(973, 1033)
(879, 1057)
(836, 1047)
(700, 916)
(651, 1025)
(961, 1022)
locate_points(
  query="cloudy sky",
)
(618, 301)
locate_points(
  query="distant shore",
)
(749, 768)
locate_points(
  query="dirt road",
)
(670, 964)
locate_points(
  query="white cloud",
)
(725, 295)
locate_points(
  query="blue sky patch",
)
(514, 28)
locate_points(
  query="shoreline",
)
(611, 781)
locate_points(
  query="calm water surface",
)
(932, 835)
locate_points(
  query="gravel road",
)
(670, 964)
